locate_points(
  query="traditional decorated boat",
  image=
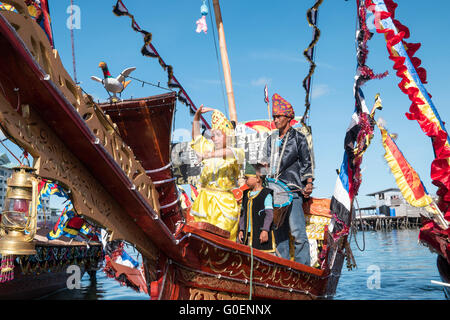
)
(115, 158)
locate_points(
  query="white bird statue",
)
(113, 85)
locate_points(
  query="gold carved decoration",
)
(205, 294)
(100, 124)
(226, 289)
(226, 263)
(53, 160)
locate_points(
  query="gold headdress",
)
(220, 122)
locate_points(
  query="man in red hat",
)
(287, 157)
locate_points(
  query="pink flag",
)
(201, 25)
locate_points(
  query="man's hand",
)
(307, 190)
(263, 236)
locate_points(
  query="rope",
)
(251, 272)
(73, 43)
(363, 231)
(149, 83)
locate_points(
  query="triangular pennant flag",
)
(406, 177)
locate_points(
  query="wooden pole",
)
(225, 62)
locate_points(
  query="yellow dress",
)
(215, 202)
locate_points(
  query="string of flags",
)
(149, 50)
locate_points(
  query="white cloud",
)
(320, 90)
(261, 81)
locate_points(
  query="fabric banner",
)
(250, 137)
(413, 78)
(39, 10)
(266, 125)
(7, 7)
(46, 189)
(406, 177)
(60, 228)
(315, 226)
(357, 138)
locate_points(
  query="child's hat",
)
(250, 170)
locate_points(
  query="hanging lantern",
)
(204, 9)
(19, 216)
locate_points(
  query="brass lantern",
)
(19, 215)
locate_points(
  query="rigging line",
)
(362, 227)
(151, 84)
(73, 43)
(219, 73)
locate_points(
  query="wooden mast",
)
(225, 62)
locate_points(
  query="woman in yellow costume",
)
(221, 163)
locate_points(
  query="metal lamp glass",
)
(19, 215)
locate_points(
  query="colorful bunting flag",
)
(408, 180)
(406, 177)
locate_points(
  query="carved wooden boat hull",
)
(123, 182)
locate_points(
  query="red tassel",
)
(7, 268)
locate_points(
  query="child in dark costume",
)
(255, 221)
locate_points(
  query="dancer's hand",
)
(241, 237)
(204, 109)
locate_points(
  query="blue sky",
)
(265, 41)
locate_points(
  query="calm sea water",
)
(392, 266)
